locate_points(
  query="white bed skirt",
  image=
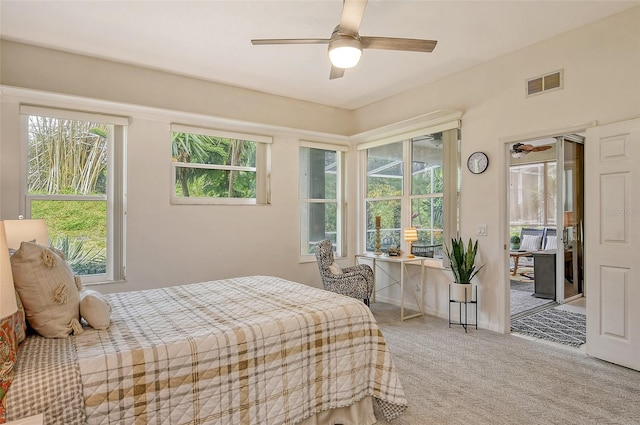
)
(360, 413)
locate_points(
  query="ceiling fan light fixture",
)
(345, 52)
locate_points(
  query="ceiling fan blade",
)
(521, 147)
(540, 148)
(263, 41)
(336, 72)
(352, 12)
(407, 44)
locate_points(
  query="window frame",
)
(340, 200)
(262, 168)
(451, 129)
(115, 196)
(408, 148)
(399, 198)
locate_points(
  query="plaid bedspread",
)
(47, 380)
(252, 350)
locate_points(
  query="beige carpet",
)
(484, 377)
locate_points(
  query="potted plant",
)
(515, 242)
(462, 262)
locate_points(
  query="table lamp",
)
(8, 304)
(21, 230)
(410, 235)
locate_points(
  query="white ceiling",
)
(211, 39)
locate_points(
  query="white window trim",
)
(206, 131)
(116, 197)
(73, 115)
(340, 200)
(437, 128)
(262, 168)
(324, 146)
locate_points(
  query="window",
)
(385, 189)
(533, 195)
(75, 181)
(321, 196)
(412, 182)
(427, 189)
(216, 167)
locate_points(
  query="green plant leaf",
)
(462, 259)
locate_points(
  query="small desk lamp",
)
(410, 235)
(8, 304)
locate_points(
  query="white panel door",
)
(612, 242)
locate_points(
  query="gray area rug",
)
(522, 298)
(522, 301)
(487, 378)
(522, 286)
(563, 327)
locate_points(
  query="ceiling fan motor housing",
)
(344, 50)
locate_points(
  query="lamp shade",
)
(8, 304)
(18, 231)
(410, 234)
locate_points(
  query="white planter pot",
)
(457, 292)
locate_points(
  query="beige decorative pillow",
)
(95, 309)
(47, 289)
(334, 268)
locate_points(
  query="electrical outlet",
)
(482, 230)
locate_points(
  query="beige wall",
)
(54, 71)
(178, 244)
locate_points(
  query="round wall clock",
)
(477, 162)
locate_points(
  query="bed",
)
(249, 350)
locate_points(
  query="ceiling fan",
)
(518, 150)
(346, 45)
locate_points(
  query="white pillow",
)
(552, 242)
(531, 242)
(95, 309)
(334, 268)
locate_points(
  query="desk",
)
(403, 261)
(516, 258)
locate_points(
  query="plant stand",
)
(469, 301)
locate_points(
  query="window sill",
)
(307, 259)
(103, 282)
(216, 201)
(311, 258)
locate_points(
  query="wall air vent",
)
(545, 83)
